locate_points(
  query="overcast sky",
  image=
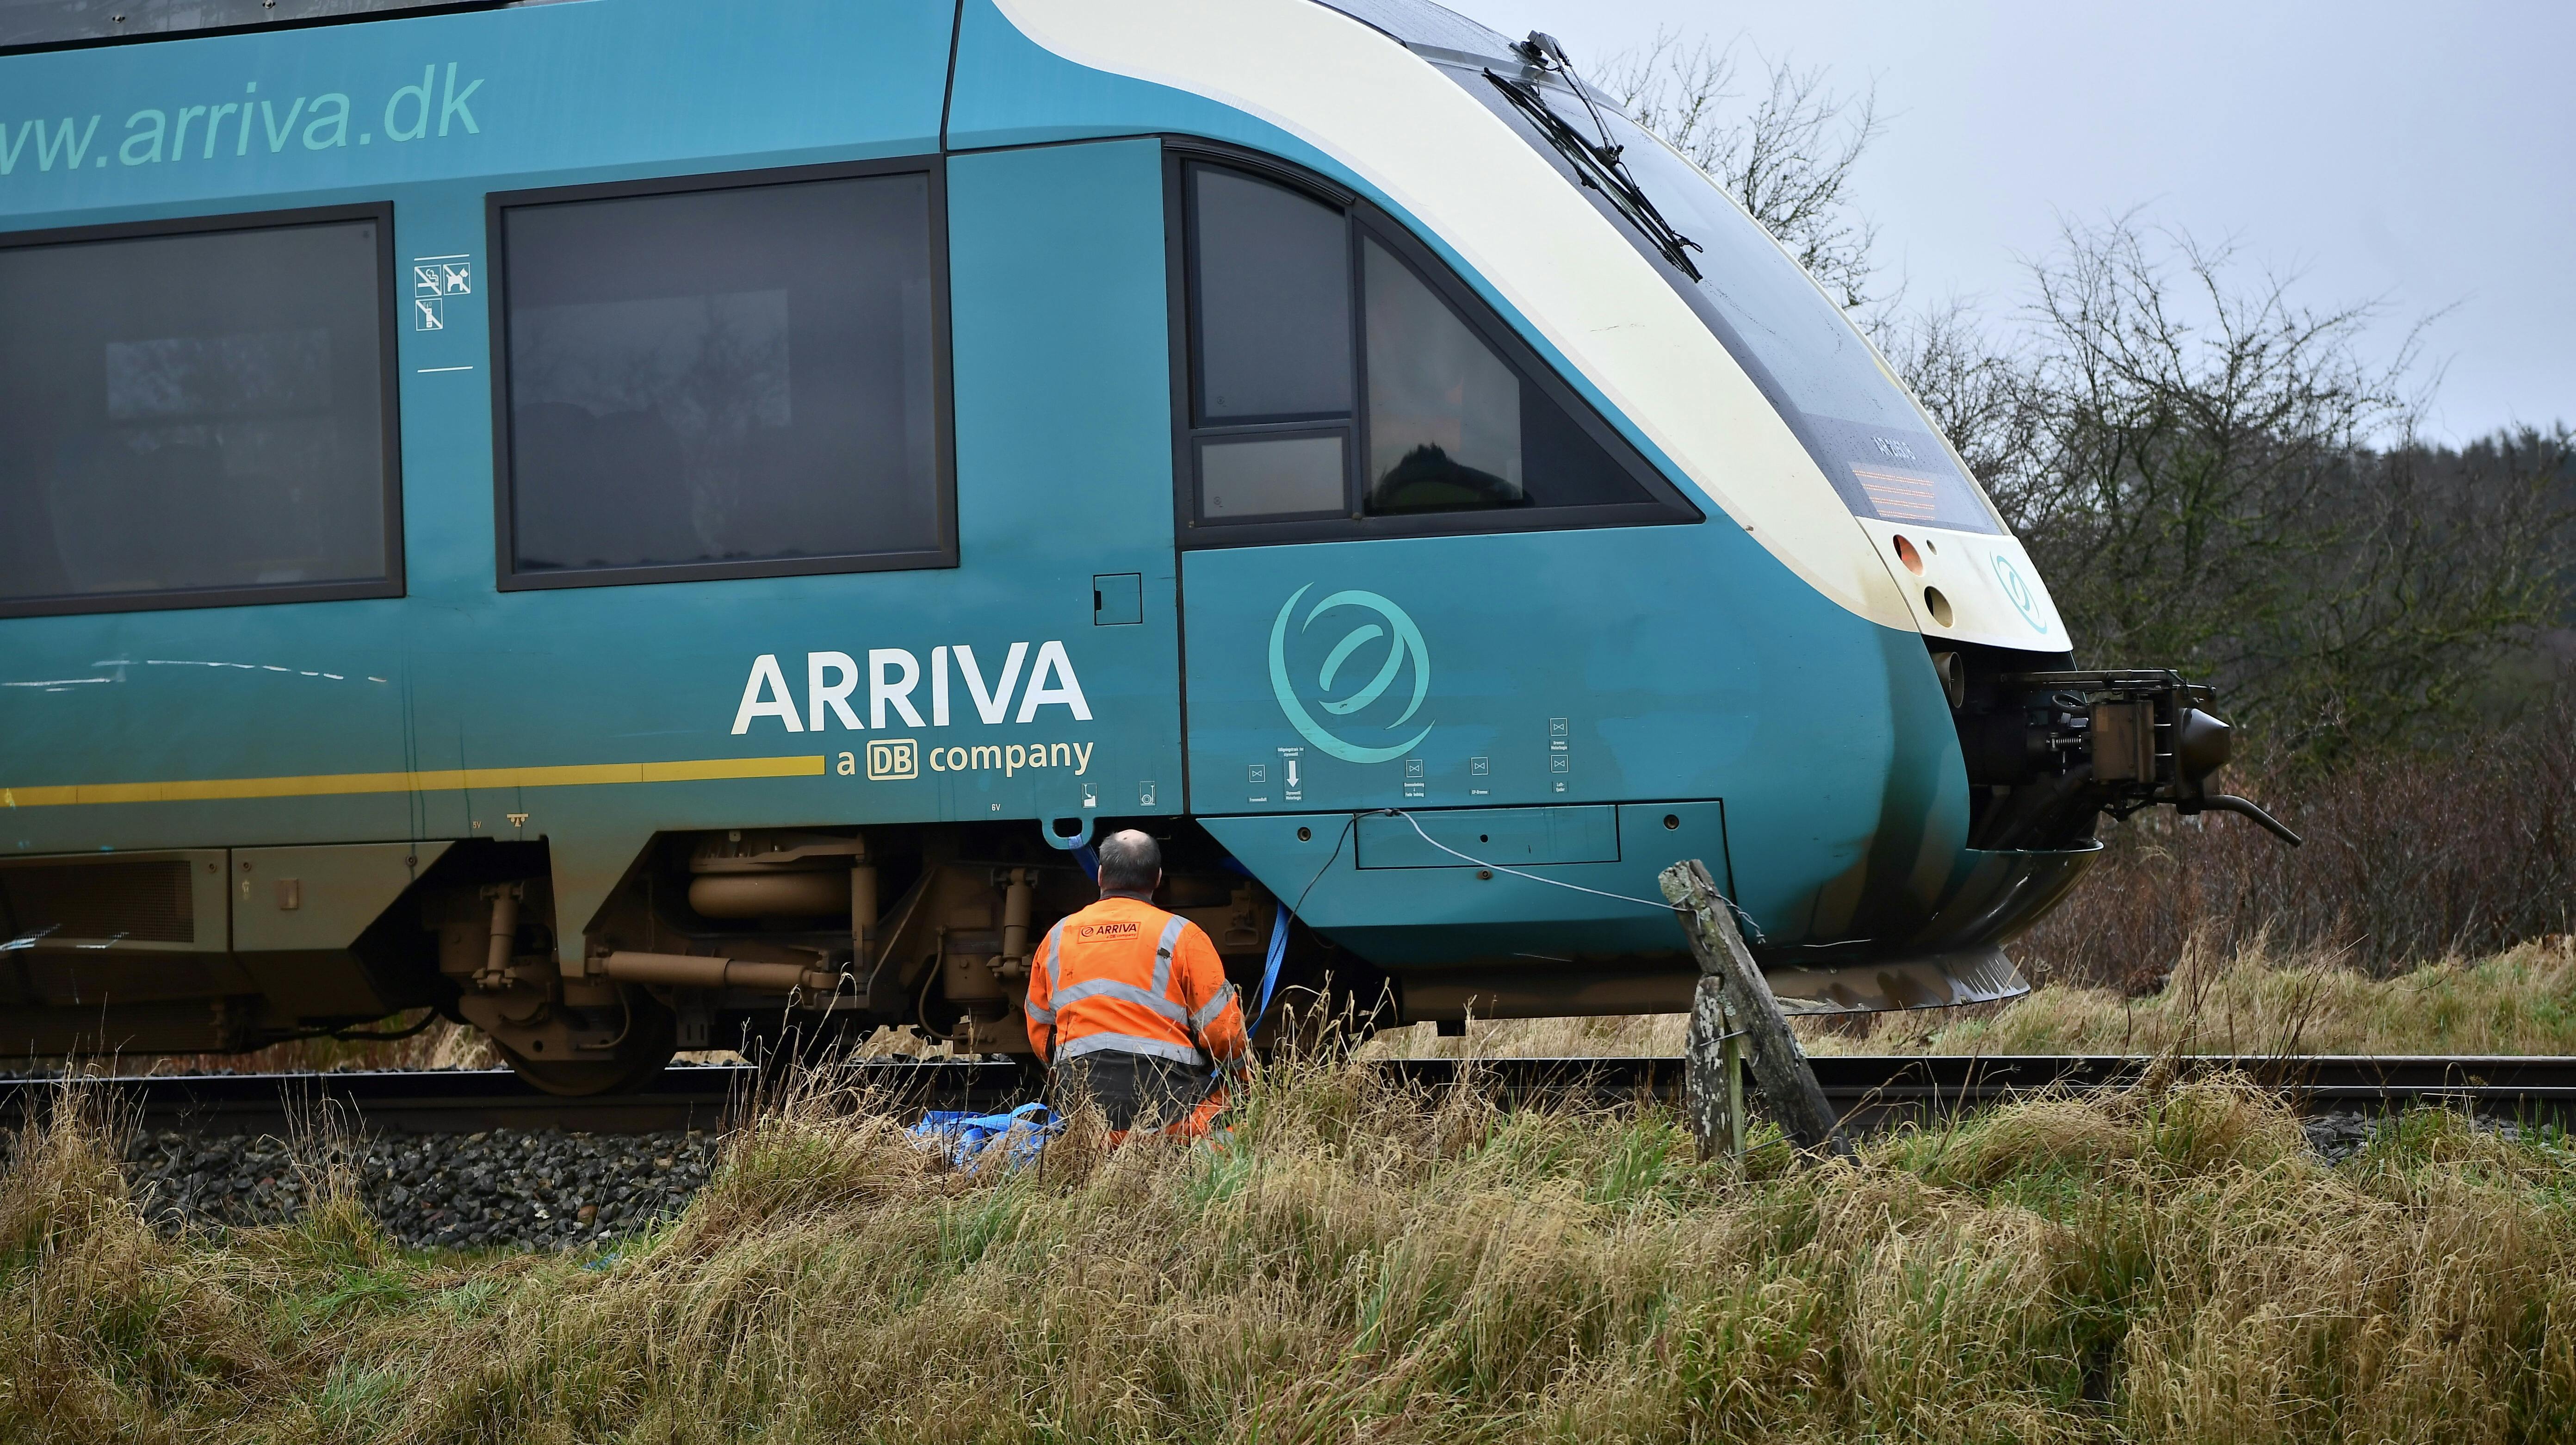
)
(2422, 154)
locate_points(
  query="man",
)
(1129, 1002)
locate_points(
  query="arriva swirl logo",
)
(1403, 641)
(2017, 591)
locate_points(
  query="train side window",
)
(175, 443)
(1337, 381)
(726, 377)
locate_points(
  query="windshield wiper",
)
(1596, 166)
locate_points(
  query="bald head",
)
(1130, 862)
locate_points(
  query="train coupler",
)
(2061, 747)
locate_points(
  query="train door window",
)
(1271, 363)
(1273, 476)
(1339, 382)
(1453, 427)
(728, 377)
(1274, 321)
(176, 443)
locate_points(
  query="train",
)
(642, 526)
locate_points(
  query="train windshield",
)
(1870, 437)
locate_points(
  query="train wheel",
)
(652, 1035)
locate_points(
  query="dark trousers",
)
(1129, 1087)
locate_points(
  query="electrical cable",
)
(1743, 919)
(1515, 872)
(1339, 839)
(1279, 926)
(1753, 934)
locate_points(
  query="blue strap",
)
(1089, 858)
(1270, 970)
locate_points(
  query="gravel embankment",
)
(542, 1188)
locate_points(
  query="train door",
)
(1414, 572)
(1057, 294)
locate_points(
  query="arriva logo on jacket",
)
(1403, 645)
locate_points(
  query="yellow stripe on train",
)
(207, 790)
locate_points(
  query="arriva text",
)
(894, 675)
(440, 104)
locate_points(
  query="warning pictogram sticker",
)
(433, 280)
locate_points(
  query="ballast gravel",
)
(2339, 1136)
(540, 1188)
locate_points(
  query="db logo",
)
(894, 758)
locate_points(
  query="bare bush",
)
(2219, 478)
(2410, 857)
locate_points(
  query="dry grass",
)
(1607, 1036)
(442, 1045)
(1358, 1264)
(2520, 1001)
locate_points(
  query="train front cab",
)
(1698, 599)
(504, 692)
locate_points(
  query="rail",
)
(1867, 1090)
(467, 1101)
(1871, 1089)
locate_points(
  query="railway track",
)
(1867, 1089)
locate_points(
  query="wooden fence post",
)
(1730, 1063)
(1713, 1069)
(1779, 1065)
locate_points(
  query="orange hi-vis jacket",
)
(1124, 975)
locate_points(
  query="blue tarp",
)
(967, 1136)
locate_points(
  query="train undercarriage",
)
(774, 942)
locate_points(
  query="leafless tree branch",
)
(2217, 476)
(1786, 151)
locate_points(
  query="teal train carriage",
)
(638, 524)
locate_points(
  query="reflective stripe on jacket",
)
(1123, 974)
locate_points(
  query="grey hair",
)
(1130, 862)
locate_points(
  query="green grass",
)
(1360, 1264)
